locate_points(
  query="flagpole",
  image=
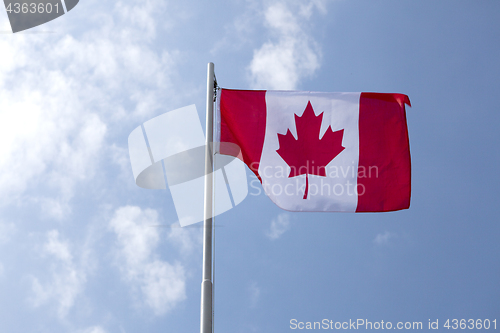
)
(206, 284)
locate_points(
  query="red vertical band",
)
(384, 177)
(243, 122)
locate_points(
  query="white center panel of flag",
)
(336, 191)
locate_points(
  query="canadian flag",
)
(314, 151)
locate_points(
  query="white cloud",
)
(54, 208)
(57, 248)
(306, 8)
(162, 284)
(279, 226)
(254, 292)
(67, 279)
(185, 239)
(136, 238)
(45, 139)
(383, 238)
(6, 231)
(92, 329)
(292, 54)
(60, 94)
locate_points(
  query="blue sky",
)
(84, 250)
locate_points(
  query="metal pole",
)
(206, 284)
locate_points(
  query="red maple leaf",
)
(308, 154)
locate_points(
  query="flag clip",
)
(216, 86)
